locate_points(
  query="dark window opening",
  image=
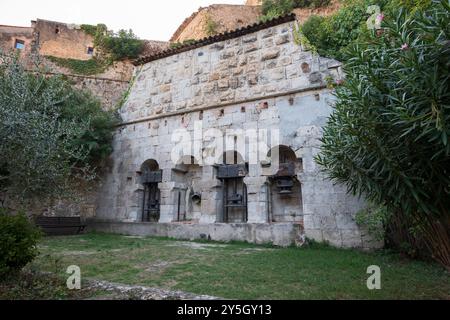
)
(90, 51)
(19, 45)
(57, 31)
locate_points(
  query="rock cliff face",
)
(304, 13)
(221, 18)
(253, 2)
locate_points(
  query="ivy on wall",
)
(115, 45)
(82, 67)
(110, 47)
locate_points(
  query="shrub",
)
(18, 240)
(114, 46)
(211, 26)
(375, 219)
(52, 131)
(97, 136)
(275, 8)
(123, 45)
(176, 45)
(388, 137)
(332, 36)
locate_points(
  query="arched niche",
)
(232, 170)
(286, 200)
(150, 198)
(188, 191)
(149, 165)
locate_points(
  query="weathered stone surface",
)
(249, 39)
(223, 84)
(270, 54)
(250, 48)
(315, 77)
(282, 39)
(126, 292)
(305, 67)
(252, 79)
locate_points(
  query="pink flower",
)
(380, 18)
(405, 47)
(339, 82)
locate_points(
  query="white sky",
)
(149, 19)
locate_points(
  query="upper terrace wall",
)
(63, 41)
(9, 35)
(259, 64)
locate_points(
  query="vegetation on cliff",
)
(115, 45)
(331, 36)
(83, 67)
(275, 8)
(109, 47)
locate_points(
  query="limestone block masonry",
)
(261, 81)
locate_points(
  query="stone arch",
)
(149, 165)
(187, 192)
(149, 195)
(285, 198)
(282, 154)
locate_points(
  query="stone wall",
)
(255, 65)
(261, 80)
(282, 234)
(109, 86)
(9, 35)
(63, 40)
(110, 92)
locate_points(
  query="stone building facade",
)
(69, 41)
(63, 40)
(184, 161)
(21, 38)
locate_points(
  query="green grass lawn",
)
(242, 271)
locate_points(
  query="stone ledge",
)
(278, 234)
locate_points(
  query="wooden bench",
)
(58, 226)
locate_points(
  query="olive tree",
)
(50, 133)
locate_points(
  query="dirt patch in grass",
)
(157, 266)
(197, 245)
(78, 253)
(255, 250)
